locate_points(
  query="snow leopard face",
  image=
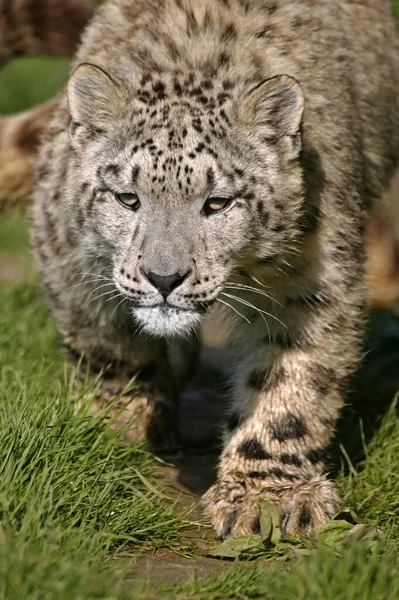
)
(181, 183)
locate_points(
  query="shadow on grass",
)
(373, 391)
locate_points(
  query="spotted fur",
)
(288, 108)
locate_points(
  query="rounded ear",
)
(275, 106)
(94, 98)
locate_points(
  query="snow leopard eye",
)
(129, 200)
(215, 205)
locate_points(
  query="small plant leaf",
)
(237, 547)
(270, 523)
(333, 533)
(276, 519)
(360, 532)
(338, 534)
(266, 524)
(348, 515)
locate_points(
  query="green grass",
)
(72, 495)
(354, 576)
(372, 488)
(320, 577)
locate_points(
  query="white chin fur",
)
(166, 322)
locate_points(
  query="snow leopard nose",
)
(165, 284)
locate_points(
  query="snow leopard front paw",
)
(233, 504)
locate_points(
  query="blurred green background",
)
(27, 81)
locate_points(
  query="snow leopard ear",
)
(95, 100)
(275, 106)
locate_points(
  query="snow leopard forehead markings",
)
(167, 113)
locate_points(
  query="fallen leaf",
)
(236, 547)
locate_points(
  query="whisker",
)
(118, 305)
(85, 274)
(113, 297)
(250, 288)
(250, 305)
(87, 282)
(235, 310)
(99, 288)
(102, 296)
(254, 307)
(258, 281)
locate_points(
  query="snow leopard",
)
(223, 153)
